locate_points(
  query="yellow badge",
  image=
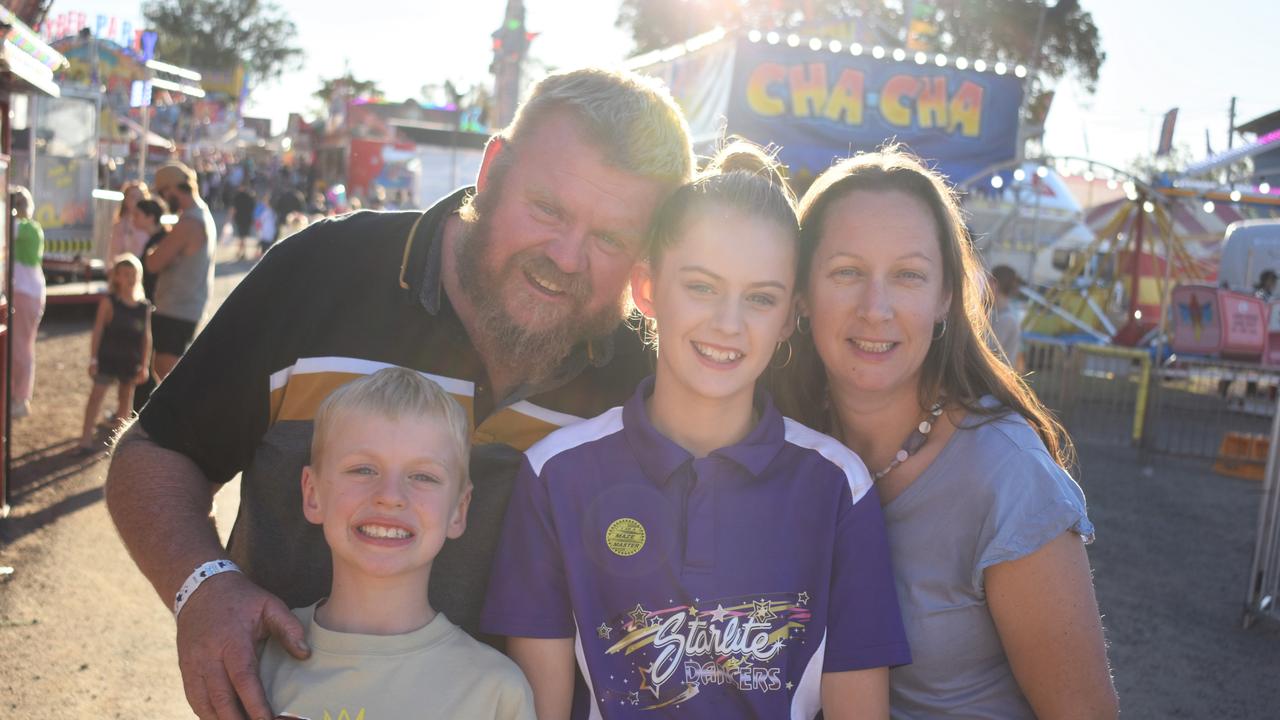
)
(625, 537)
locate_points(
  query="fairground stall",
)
(27, 66)
(820, 100)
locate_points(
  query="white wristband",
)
(198, 576)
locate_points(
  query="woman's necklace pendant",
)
(914, 441)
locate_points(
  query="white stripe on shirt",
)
(835, 452)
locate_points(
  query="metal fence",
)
(1204, 408)
(1119, 396)
(1264, 577)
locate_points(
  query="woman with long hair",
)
(986, 527)
(126, 235)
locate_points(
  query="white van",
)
(1250, 247)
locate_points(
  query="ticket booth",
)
(27, 65)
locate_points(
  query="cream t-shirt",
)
(437, 671)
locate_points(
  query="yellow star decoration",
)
(604, 631)
(763, 611)
(644, 681)
(802, 598)
(638, 616)
(693, 612)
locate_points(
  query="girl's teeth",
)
(379, 531)
(873, 347)
(717, 355)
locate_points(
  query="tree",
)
(348, 84)
(221, 34)
(992, 30)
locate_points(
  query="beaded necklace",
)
(914, 441)
(910, 446)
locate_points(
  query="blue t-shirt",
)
(992, 495)
(721, 586)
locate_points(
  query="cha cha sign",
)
(820, 105)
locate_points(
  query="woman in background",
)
(126, 234)
(28, 299)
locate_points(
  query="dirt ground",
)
(82, 634)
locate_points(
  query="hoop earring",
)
(801, 326)
(789, 353)
(941, 332)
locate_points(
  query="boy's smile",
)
(388, 492)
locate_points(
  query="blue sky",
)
(1161, 54)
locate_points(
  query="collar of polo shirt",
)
(660, 457)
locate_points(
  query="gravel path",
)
(82, 634)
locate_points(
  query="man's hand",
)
(218, 632)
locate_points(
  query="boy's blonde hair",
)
(135, 293)
(395, 393)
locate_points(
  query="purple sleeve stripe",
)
(868, 657)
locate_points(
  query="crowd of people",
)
(668, 439)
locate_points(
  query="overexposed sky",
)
(1161, 54)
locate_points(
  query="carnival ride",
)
(1118, 267)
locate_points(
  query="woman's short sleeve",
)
(1033, 501)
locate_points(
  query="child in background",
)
(388, 481)
(120, 347)
(699, 554)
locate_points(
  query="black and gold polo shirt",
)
(344, 298)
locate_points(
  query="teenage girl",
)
(121, 344)
(693, 552)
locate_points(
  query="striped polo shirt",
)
(341, 299)
(721, 586)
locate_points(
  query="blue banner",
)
(820, 106)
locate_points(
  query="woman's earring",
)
(939, 333)
(802, 324)
(784, 362)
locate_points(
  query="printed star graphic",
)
(644, 682)
(638, 616)
(719, 614)
(802, 598)
(693, 611)
(763, 611)
(633, 698)
(604, 631)
(790, 685)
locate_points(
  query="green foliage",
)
(348, 83)
(220, 34)
(992, 30)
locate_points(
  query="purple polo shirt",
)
(719, 587)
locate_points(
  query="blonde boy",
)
(388, 482)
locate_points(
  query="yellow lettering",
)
(808, 91)
(966, 110)
(846, 98)
(893, 105)
(758, 97)
(931, 105)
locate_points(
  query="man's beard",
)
(534, 353)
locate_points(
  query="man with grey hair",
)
(509, 295)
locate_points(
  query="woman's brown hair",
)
(960, 365)
(138, 185)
